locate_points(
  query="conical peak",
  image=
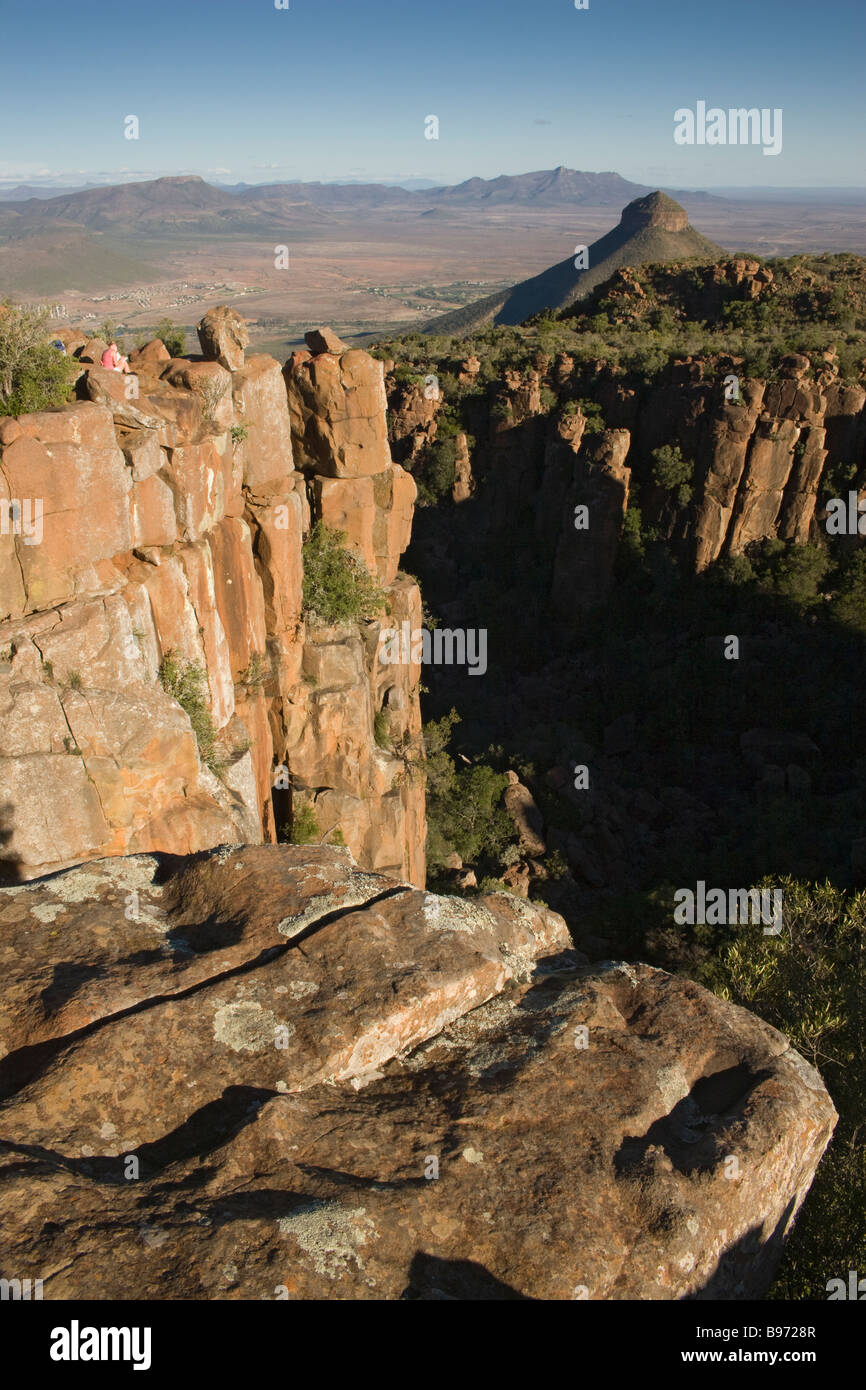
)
(655, 210)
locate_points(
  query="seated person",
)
(112, 359)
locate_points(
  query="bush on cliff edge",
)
(33, 374)
(186, 682)
(337, 585)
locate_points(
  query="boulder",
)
(213, 386)
(325, 340)
(337, 407)
(335, 1086)
(92, 351)
(528, 820)
(142, 452)
(464, 483)
(348, 505)
(794, 365)
(151, 358)
(394, 492)
(119, 393)
(199, 476)
(72, 339)
(223, 336)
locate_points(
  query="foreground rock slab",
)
(297, 1080)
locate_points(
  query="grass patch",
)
(186, 682)
(304, 828)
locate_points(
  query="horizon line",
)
(119, 178)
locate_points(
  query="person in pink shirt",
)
(112, 359)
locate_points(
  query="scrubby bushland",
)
(810, 982)
(33, 374)
(637, 324)
(338, 587)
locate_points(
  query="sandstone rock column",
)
(375, 793)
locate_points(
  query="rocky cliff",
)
(260, 1073)
(161, 687)
(761, 446)
(611, 493)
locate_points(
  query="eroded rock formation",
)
(759, 459)
(262, 1073)
(171, 522)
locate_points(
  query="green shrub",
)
(439, 470)
(556, 864)
(810, 983)
(33, 374)
(670, 469)
(592, 413)
(849, 603)
(304, 828)
(464, 810)
(107, 330)
(474, 820)
(239, 433)
(380, 730)
(633, 546)
(186, 682)
(172, 335)
(673, 473)
(407, 376)
(794, 571)
(734, 570)
(493, 885)
(337, 585)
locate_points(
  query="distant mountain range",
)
(541, 188)
(652, 228)
(183, 202)
(21, 191)
(105, 233)
(187, 202)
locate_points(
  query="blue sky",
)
(237, 90)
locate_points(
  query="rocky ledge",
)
(261, 1073)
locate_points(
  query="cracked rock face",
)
(261, 1073)
(172, 520)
